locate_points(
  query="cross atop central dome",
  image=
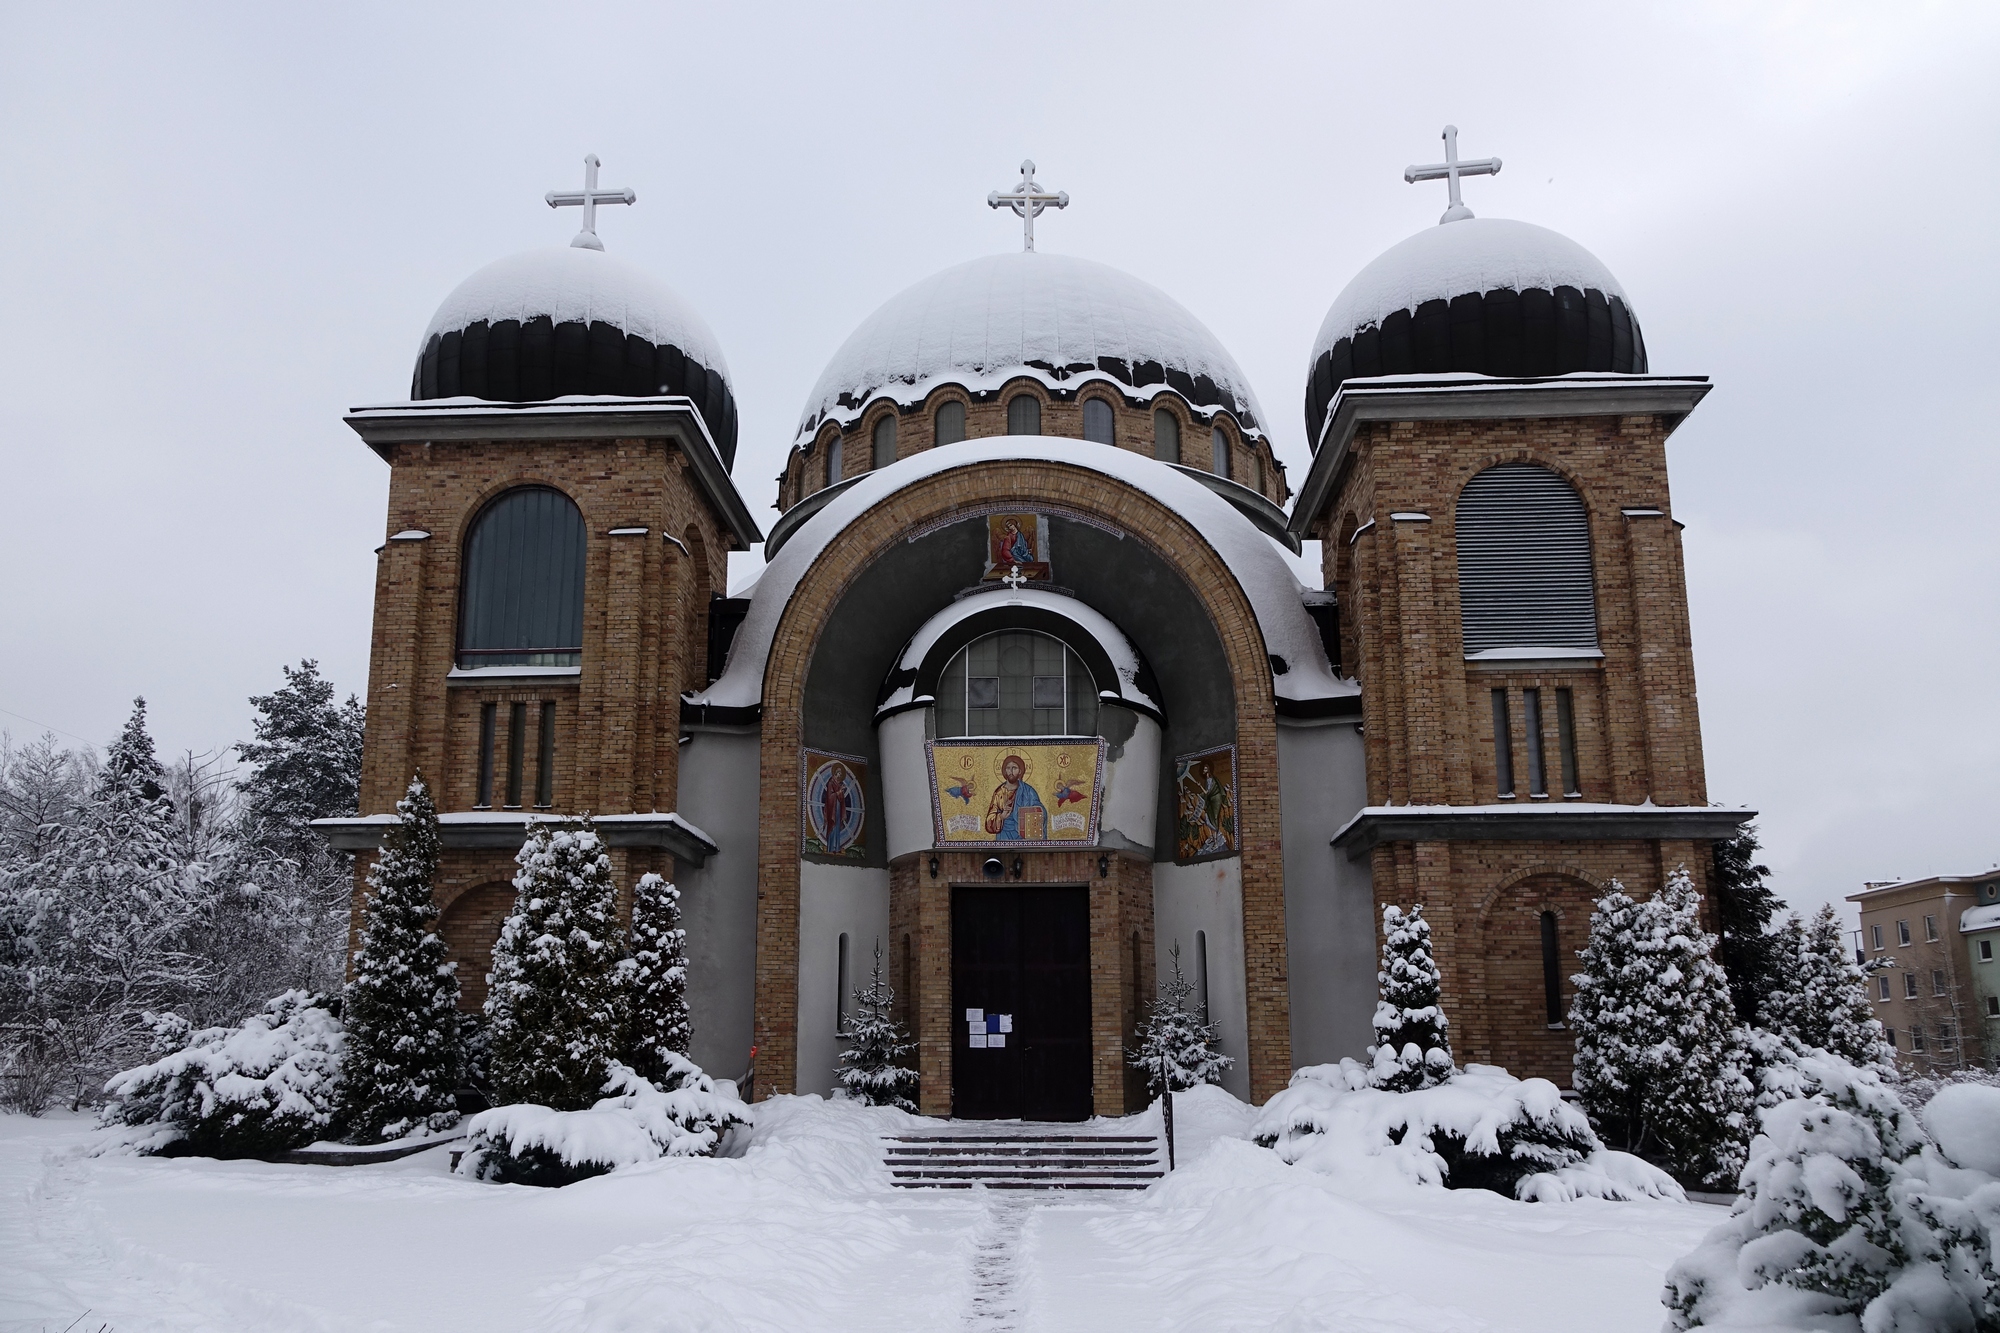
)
(1055, 318)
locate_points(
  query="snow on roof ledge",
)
(1124, 657)
(1258, 562)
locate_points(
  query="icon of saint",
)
(1016, 811)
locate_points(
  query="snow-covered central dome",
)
(568, 320)
(1056, 318)
(1488, 295)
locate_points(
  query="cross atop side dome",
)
(588, 198)
(1449, 171)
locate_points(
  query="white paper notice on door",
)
(978, 1040)
(1006, 1022)
(996, 1040)
(975, 1016)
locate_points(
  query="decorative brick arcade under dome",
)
(1028, 691)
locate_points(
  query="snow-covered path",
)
(803, 1233)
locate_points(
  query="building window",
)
(1937, 981)
(1024, 415)
(1166, 436)
(1986, 951)
(1566, 740)
(885, 441)
(1016, 683)
(1531, 722)
(1875, 934)
(1097, 424)
(521, 598)
(1503, 747)
(545, 757)
(1882, 987)
(1916, 1038)
(1889, 1035)
(1552, 997)
(834, 468)
(1219, 441)
(517, 745)
(1910, 985)
(949, 423)
(1947, 1035)
(1930, 928)
(484, 799)
(1993, 1006)
(1524, 567)
(1902, 932)
(843, 996)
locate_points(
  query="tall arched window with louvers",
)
(1525, 585)
(521, 596)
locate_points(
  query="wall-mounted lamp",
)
(993, 868)
(1017, 867)
(1103, 867)
(934, 867)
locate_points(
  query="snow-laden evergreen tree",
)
(872, 1068)
(657, 981)
(1178, 1047)
(1661, 1066)
(555, 1005)
(1821, 995)
(401, 1004)
(1412, 1047)
(1744, 907)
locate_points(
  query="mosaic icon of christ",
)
(1016, 812)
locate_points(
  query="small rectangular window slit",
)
(1531, 722)
(486, 721)
(1566, 740)
(517, 744)
(545, 757)
(1503, 746)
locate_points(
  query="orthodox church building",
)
(1027, 696)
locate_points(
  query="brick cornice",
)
(1215, 589)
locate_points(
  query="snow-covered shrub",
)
(1660, 1063)
(1412, 1045)
(1917, 1091)
(556, 1007)
(1819, 994)
(256, 1090)
(1482, 1128)
(656, 978)
(401, 1005)
(635, 1122)
(1178, 1048)
(1851, 1218)
(872, 1068)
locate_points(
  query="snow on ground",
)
(801, 1231)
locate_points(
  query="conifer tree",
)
(401, 1006)
(1178, 1047)
(1412, 1047)
(556, 1004)
(657, 981)
(1744, 906)
(1661, 1066)
(872, 1068)
(1821, 998)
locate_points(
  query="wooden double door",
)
(1020, 987)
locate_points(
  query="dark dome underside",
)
(515, 361)
(1502, 332)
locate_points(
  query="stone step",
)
(1032, 1159)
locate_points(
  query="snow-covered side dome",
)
(1056, 318)
(1487, 295)
(568, 320)
(1276, 596)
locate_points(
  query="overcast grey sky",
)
(224, 225)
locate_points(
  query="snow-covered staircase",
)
(1024, 1156)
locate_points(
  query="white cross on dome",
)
(588, 198)
(1450, 170)
(1027, 199)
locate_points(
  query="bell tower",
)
(1490, 488)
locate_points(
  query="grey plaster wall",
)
(1207, 899)
(718, 795)
(1329, 900)
(835, 900)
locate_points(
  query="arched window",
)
(949, 423)
(1024, 415)
(1552, 985)
(1166, 436)
(885, 440)
(1221, 442)
(833, 451)
(1097, 421)
(1524, 572)
(1016, 683)
(521, 595)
